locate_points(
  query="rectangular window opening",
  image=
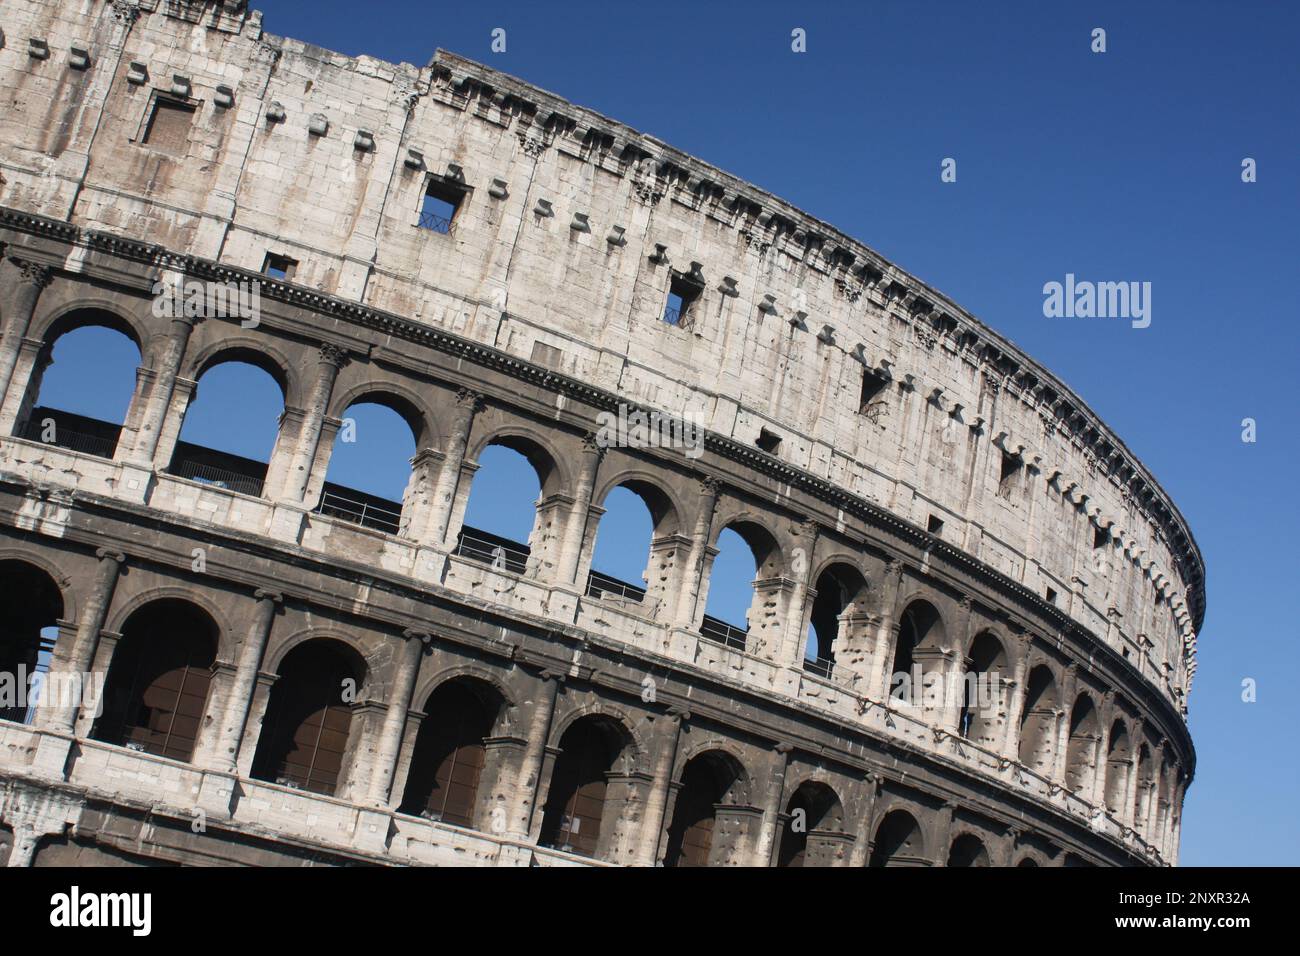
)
(768, 441)
(1100, 538)
(442, 201)
(1051, 595)
(682, 294)
(168, 127)
(279, 267)
(934, 525)
(873, 387)
(1010, 477)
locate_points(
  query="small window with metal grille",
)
(279, 267)
(168, 126)
(442, 200)
(682, 294)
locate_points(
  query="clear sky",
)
(1117, 166)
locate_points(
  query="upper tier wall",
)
(562, 253)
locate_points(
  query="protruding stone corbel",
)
(318, 125)
(497, 189)
(137, 74)
(364, 141)
(225, 97)
(414, 159)
(180, 86)
(275, 112)
(615, 237)
(79, 58)
(580, 223)
(38, 48)
(768, 305)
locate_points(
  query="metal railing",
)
(720, 632)
(61, 436)
(242, 482)
(381, 515)
(821, 667)
(598, 585)
(435, 223)
(501, 553)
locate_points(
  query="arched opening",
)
(231, 425)
(1081, 748)
(157, 687)
(1027, 861)
(1142, 792)
(576, 806)
(1038, 721)
(898, 841)
(304, 740)
(707, 782)
(835, 622)
(81, 389)
(1119, 762)
(917, 651)
(982, 709)
(633, 553)
(369, 473)
(504, 523)
(813, 810)
(31, 606)
(449, 755)
(968, 850)
(748, 556)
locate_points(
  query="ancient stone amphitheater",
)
(297, 673)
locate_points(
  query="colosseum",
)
(293, 672)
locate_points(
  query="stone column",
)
(32, 279)
(689, 601)
(235, 714)
(955, 674)
(656, 806)
(253, 725)
(78, 657)
(800, 568)
(1011, 748)
(400, 690)
(539, 732)
(1060, 753)
(576, 526)
(863, 831)
(943, 833)
(160, 394)
(878, 689)
(434, 533)
(765, 852)
(330, 360)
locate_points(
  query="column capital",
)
(36, 274)
(414, 634)
(262, 594)
(592, 445)
(709, 486)
(111, 555)
(334, 355)
(469, 400)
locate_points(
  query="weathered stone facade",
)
(954, 489)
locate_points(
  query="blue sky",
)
(1124, 165)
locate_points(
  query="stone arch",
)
(553, 474)
(127, 603)
(634, 757)
(760, 635)
(837, 615)
(983, 711)
(87, 311)
(898, 841)
(967, 849)
(918, 648)
(397, 397)
(710, 779)
(580, 814)
(259, 353)
(660, 548)
(307, 740)
(1143, 785)
(156, 691)
(1119, 764)
(31, 605)
(1038, 719)
(812, 831)
(282, 648)
(67, 587)
(449, 753)
(466, 670)
(1081, 743)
